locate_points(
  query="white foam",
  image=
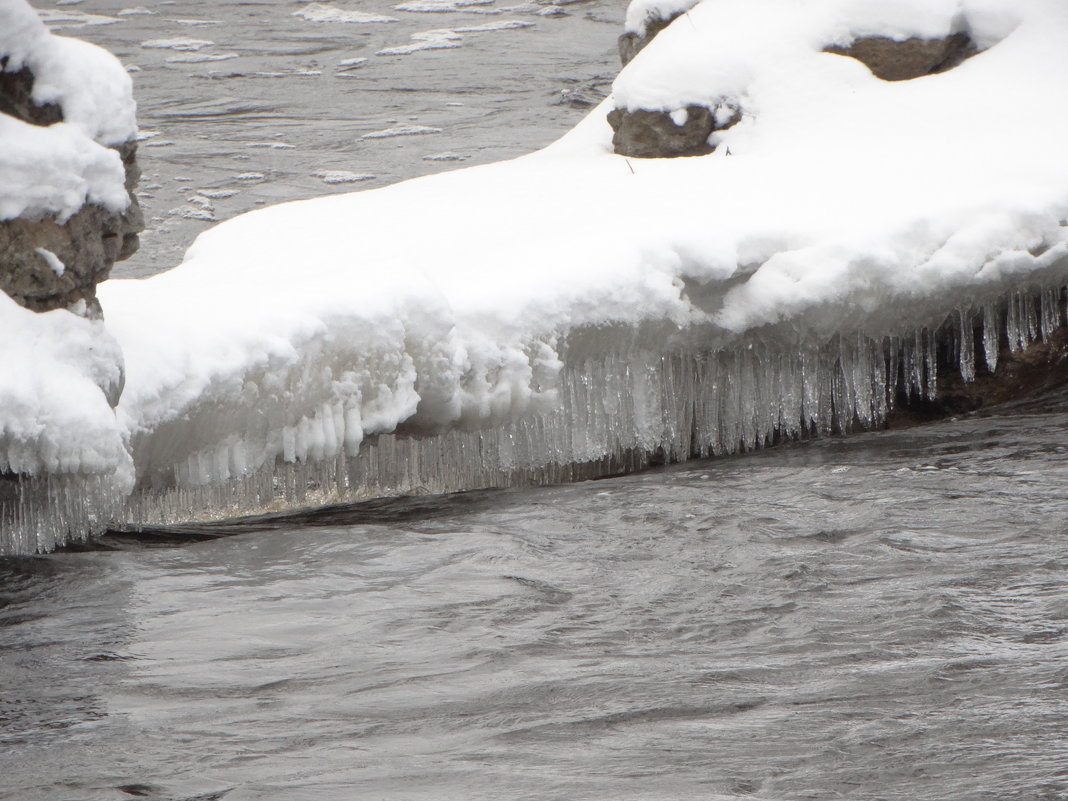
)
(177, 43)
(401, 130)
(318, 12)
(200, 58)
(425, 40)
(342, 177)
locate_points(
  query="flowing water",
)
(877, 617)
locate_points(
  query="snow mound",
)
(90, 84)
(56, 170)
(573, 311)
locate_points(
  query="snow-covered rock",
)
(67, 212)
(67, 165)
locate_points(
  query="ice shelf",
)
(616, 411)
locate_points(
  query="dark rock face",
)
(654, 134)
(912, 58)
(630, 44)
(88, 243)
(15, 90)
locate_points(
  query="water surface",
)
(882, 617)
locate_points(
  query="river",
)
(883, 616)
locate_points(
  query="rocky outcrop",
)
(630, 44)
(659, 134)
(904, 60)
(46, 263)
(642, 133)
(16, 89)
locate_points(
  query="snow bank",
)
(57, 169)
(57, 429)
(59, 370)
(849, 206)
(574, 306)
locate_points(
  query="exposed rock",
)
(15, 100)
(654, 134)
(911, 58)
(630, 44)
(45, 264)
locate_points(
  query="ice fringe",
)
(618, 410)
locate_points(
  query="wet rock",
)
(1022, 374)
(46, 264)
(904, 60)
(657, 134)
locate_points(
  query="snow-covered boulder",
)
(67, 213)
(905, 59)
(67, 165)
(899, 43)
(645, 19)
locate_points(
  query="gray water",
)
(278, 107)
(879, 617)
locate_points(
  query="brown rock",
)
(630, 44)
(912, 58)
(88, 243)
(653, 134)
(15, 101)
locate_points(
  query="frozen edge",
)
(620, 409)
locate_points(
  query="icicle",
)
(915, 364)
(930, 364)
(967, 345)
(991, 337)
(862, 382)
(1048, 300)
(1013, 330)
(1030, 317)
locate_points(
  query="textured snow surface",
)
(641, 13)
(55, 417)
(56, 170)
(576, 306)
(89, 83)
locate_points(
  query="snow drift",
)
(574, 312)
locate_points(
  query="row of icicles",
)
(615, 413)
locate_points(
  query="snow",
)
(87, 82)
(642, 12)
(55, 170)
(54, 263)
(573, 307)
(57, 420)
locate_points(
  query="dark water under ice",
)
(879, 617)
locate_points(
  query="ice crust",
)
(574, 312)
